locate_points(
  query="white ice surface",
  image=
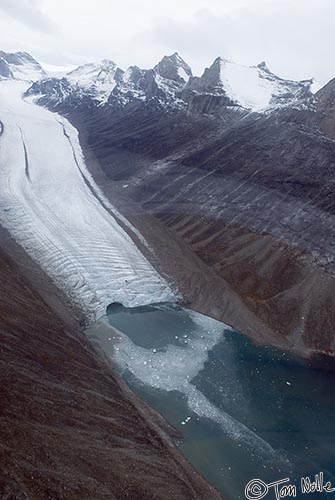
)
(52, 207)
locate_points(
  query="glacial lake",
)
(245, 411)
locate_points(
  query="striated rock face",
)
(239, 165)
(70, 428)
(250, 195)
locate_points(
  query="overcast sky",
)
(295, 37)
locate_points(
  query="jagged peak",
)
(214, 71)
(219, 62)
(175, 57)
(263, 66)
(173, 67)
(133, 73)
(251, 87)
(220, 59)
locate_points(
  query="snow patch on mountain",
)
(245, 85)
(316, 86)
(57, 71)
(130, 87)
(183, 74)
(159, 86)
(173, 68)
(98, 78)
(20, 66)
(251, 87)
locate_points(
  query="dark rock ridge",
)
(70, 428)
(173, 68)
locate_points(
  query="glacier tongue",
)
(52, 207)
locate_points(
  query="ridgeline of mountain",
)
(170, 85)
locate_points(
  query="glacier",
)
(52, 207)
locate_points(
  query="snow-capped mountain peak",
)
(100, 78)
(20, 66)
(174, 68)
(170, 85)
(91, 71)
(251, 87)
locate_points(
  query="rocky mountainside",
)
(97, 79)
(238, 164)
(171, 85)
(250, 195)
(254, 88)
(104, 83)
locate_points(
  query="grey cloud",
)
(295, 38)
(27, 12)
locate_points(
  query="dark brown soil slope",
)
(69, 428)
(250, 196)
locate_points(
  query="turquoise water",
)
(246, 412)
